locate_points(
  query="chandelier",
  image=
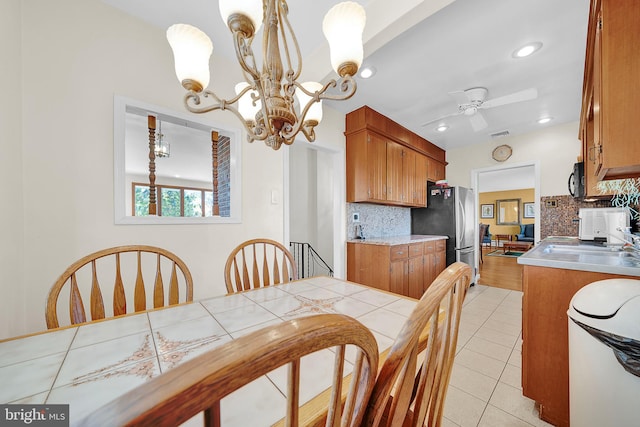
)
(163, 148)
(265, 102)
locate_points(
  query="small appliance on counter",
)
(604, 224)
(576, 181)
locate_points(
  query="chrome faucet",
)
(632, 241)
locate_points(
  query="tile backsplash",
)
(378, 220)
(558, 217)
(559, 214)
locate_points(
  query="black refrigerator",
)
(450, 212)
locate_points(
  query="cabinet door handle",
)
(399, 252)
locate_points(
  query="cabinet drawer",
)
(441, 245)
(415, 249)
(429, 247)
(399, 252)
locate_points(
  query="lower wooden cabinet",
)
(406, 269)
(545, 337)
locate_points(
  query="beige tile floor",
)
(485, 389)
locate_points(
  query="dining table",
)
(88, 365)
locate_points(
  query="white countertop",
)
(398, 240)
(545, 255)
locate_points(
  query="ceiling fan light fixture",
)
(470, 111)
(527, 50)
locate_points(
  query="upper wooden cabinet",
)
(435, 170)
(610, 92)
(386, 163)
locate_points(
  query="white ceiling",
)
(506, 179)
(423, 50)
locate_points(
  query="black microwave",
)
(576, 181)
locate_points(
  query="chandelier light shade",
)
(265, 101)
(246, 106)
(315, 108)
(343, 26)
(235, 9)
(192, 49)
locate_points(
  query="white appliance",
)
(604, 224)
(604, 354)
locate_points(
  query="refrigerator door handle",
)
(461, 220)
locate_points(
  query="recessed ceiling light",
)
(367, 72)
(527, 50)
(442, 128)
(543, 120)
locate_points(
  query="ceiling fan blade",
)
(523, 95)
(441, 118)
(478, 122)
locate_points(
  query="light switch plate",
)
(356, 217)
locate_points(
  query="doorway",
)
(505, 272)
(314, 211)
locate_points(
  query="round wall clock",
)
(501, 153)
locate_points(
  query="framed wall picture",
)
(528, 210)
(486, 211)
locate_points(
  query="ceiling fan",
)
(470, 101)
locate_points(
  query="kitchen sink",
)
(587, 249)
(610, 255)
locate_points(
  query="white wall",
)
(74, 55)
(302, 194)
(13, 300)
(555, 147)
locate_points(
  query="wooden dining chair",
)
(412, 384)
(125, 268)
(199, 384)
(257, 263)
(484, 228)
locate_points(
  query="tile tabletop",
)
(91, 364)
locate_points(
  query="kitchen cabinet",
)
(406, 176)
(435, 260)
(367, 168)
(435, 170)
(405, 269)
(611, 91)
(395, 171)
(547, 293)
(387, 164)
(421, 178)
